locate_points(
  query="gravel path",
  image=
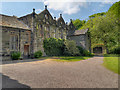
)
(52, 74)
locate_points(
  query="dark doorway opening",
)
(97, 50)
(26, 51)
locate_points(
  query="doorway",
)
(26, 51)
(97, 50)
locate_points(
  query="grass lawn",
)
(71, 58)
(111, 62)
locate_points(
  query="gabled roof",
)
(12, 21)
(60, 19)
(79, 32)
(44, 11)
(31, 14)
(70, 23)
(41, 17)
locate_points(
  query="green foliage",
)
(81, 51)
(87, 53)
(78, 23)
(38, 54)
(104, 27)
(70, 48)
(71, 58)
(53, 46)
(84, 52)
(15, 55)
(114, 10)
(115, 51)
(97, 14)
(59, 47)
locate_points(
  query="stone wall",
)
(82, 40)
(14, 39)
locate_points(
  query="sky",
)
(69, 9)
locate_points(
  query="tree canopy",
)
(97, 14)
(104, 27)
(78, 23)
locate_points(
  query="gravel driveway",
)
(52, 74)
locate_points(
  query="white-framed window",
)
(13, 42)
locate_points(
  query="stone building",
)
(15, 35)
(82, 38)
(26, 33)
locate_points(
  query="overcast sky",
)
(70, 10)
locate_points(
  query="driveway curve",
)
(52, 74)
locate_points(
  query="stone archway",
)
(98, 50)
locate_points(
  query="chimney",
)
(66, 23)
(71, 20)
(33, 10)
(60, 15)
(45, 6)
(54, 18)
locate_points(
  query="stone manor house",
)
(26, 33)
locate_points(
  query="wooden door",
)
(26, 50)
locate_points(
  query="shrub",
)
(81, 50)
(53, 46)
(87, 53)
(115, 51)
(38, 54)
(15, 55)
(70, 48)
(84, 52)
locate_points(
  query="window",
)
(13, 42)
(45, 28)
(12, 32)
(27, 35)
(46, 16)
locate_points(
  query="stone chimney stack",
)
(66, 23)
(54, 18)
(60, 15)
(71, 20)
(45, 6)
(33, 10)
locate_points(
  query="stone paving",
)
(52, 74)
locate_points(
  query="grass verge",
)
(111, 62)
(71, 58)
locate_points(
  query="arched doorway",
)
(97, 50)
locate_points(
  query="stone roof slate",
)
(82, 31)
(12, 21)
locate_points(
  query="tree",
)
(104, 27)
(97, 14)
(105, 31)
(78, 23)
